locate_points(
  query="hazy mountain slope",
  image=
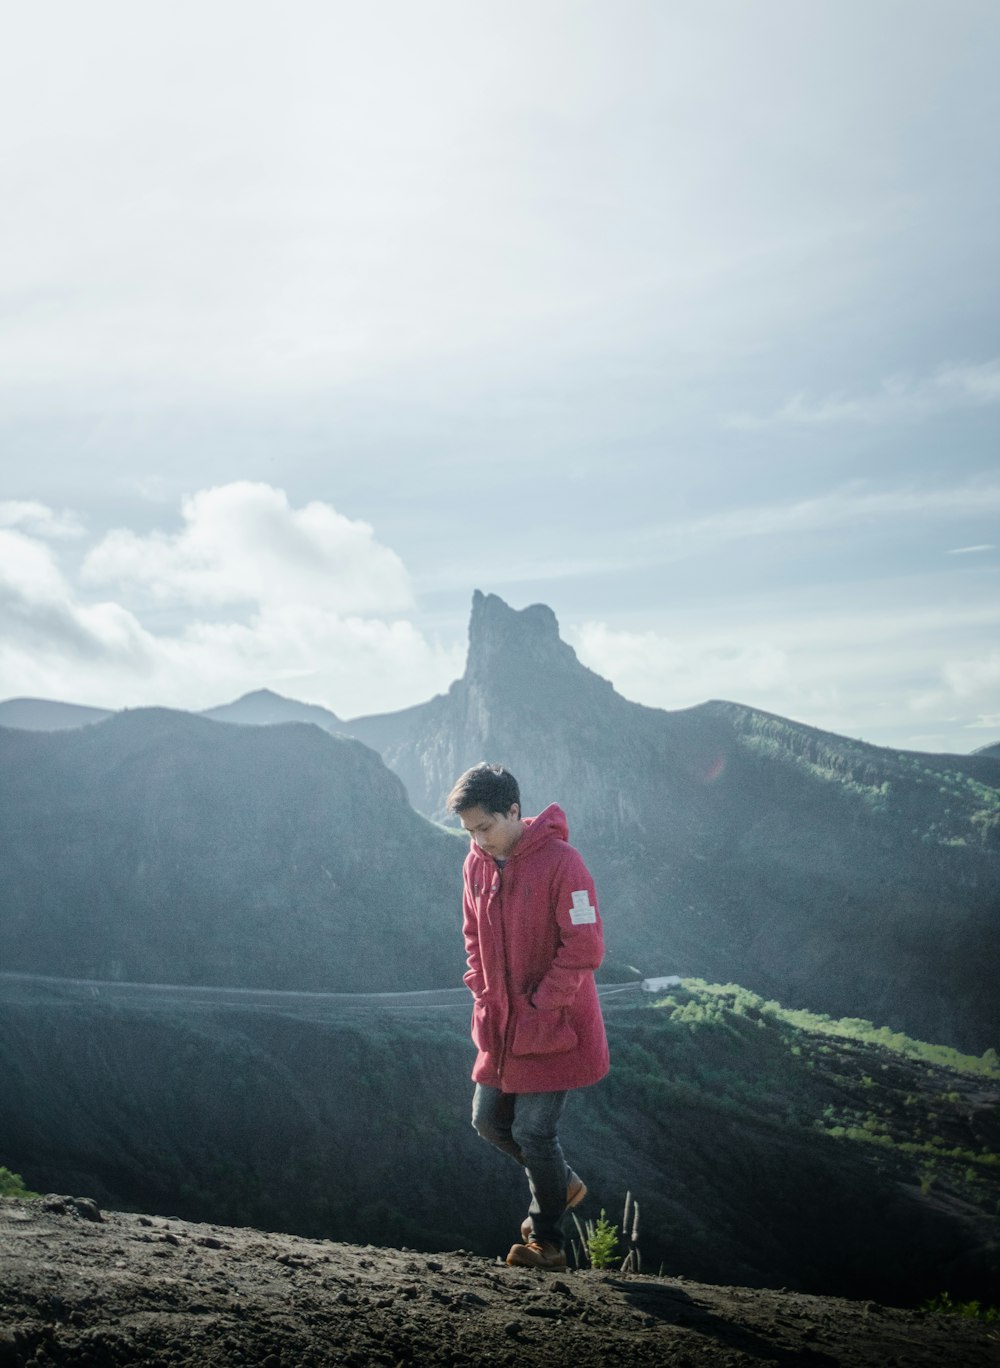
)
(726, 842)
(733, 844)
(762, 1149)
(45, 714)
(262, 708)
(162, 846)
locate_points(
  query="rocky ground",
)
(78, 1286)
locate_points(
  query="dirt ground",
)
(78, 1286)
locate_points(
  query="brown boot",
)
(576, 1190)
(535, 1255)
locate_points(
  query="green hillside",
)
(783, 1129)
(765, 1147)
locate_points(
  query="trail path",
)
(313, 1006)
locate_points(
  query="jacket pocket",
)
(542, 1032)
(481, 1033)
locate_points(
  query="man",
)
(533, 939)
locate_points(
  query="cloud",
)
(899, 398)
(39, 519)
(969, 685)
(313, 592)
(351, 665)
(986, 722)
(244, 543)
(667, 543)
(682, 669)
(847, 505)
(863, 671)
(40, 619)
(649, 663)
(973, 676)
(850, 506)
(971, 550)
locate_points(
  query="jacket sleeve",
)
(474, 978)
(581, 938)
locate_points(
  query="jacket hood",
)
(549, 825)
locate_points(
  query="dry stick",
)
(633, 1259)
(583, 1238)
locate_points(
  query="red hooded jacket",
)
(533, 939)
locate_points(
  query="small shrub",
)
(12, 1184)
(602, 1242)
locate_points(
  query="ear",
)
(514, 811)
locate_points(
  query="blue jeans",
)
(523, 1125)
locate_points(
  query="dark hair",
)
(489, 786)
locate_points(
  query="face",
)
(495, 833)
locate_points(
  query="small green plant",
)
(602, 1241)
(598, 1245)
(945, 1305)
(12, 1184)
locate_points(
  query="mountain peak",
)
(489, 611)
(264, 707)
(507, 642)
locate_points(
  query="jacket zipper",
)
(506, 979)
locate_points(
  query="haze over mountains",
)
(262, 846)
(162, 847)
(726, 842)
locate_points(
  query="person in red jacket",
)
(533, 940)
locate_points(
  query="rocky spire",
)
(518, 649)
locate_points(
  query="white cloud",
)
(864, 672)
(682, 669)
(38, 518)
(971, 550)
(244, 543)
(314, 601)
(967, 685)
(351, 665)
(986, 722)
(975, 676)
(898, 398)
(685, 670)
(40, 619)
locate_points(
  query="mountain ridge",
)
(726, 843)
(263, 707)
(734, 843)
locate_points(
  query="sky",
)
(681, 318)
